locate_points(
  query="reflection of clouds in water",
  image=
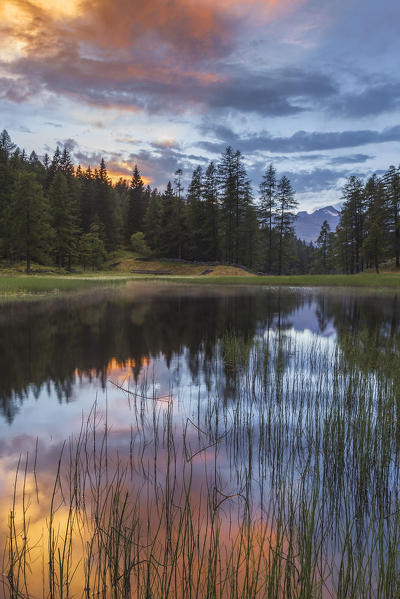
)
(145, 481)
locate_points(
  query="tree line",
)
(53, 213)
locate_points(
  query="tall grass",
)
(283, 482)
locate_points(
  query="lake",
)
(177, 441)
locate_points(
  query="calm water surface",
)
(258, 391)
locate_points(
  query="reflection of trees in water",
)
(50, 346)
(368, 328)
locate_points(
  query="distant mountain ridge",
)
(308, 226)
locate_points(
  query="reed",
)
(282, 483)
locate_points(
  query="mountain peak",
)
(308, 225)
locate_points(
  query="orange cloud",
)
(86, 50)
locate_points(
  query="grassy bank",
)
(18, 285)
(21, 285)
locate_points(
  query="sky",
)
(312, 86)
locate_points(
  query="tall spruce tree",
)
(234, 197)
(196, 214)
(375, 244)
(31, 232)
(391, 180)
(351, 228)
(266, 211)
(105, 209)
(181, 229)
(152, 221)
(63, 220)
(323, 243)
(136, 205)
(284, 217)
(211, 213)
(7, 147)
(169, 241)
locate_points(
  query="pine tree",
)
(66, 164)
(31, 233)
(375, 243)
(181, 229)
(391, 181)
(152, 221)
(136, 205)
(234, 187)
(105, 209)
(351, 225)
(170, 241)
(284, 217)
(55, 166)
(87, 200)
(63, 219)
(266, 210)
(196, 214)
(7, 147)
(323, 243)
(211, 216)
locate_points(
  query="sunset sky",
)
(311, 85)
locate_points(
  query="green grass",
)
(14, 286)
(18, 285)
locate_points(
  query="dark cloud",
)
(116, 83)
(301, 141)
(374, 100)
(350, 159)
(69, 144)
(18, 90)
(280, 92)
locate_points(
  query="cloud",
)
(373, 100)
(350, 159)
(300, 141)
(69, 144)
(150, 56)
